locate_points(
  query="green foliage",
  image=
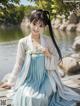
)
(55, 6)
(28, 10)
(12, 14)
(4, 2)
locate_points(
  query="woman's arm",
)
(52, 62)
(20, 57)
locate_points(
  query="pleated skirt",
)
(36, 89)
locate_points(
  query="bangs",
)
(35, 17)
(38, 20)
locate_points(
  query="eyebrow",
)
(38, 21)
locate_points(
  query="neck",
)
(36, 37)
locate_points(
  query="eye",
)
(34, 24)
(41, 25)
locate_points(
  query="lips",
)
(36, 31)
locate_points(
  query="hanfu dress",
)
(38, 87)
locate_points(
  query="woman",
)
(34, 78)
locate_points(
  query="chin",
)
(35, 33)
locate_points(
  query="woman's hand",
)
(46, 52)
(6, 85)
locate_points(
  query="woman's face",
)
(37, 28)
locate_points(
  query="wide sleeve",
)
(20, 57)
(51, 63)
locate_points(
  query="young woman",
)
(35, 77)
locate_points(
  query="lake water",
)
(9, 40)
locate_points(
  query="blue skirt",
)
(36, 89)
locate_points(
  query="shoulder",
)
(23, 40)
(47, 38)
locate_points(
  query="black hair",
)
(44, 16)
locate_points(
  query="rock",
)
(64, 24)
(73, 18)
(25, 26)
(56, 26)
(53, 21)
(62, 27)
(57, 23)
(71, 27)
(25, 22)
(78, 27)
(76, 44)
(70, 65)
(76, 56)
(77, 38)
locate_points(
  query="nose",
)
(36, 28)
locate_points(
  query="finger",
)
(7, 87)
(4, 86)
(46, 51)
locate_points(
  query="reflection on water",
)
(65, 41)
(10, 34)
(8, 46)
